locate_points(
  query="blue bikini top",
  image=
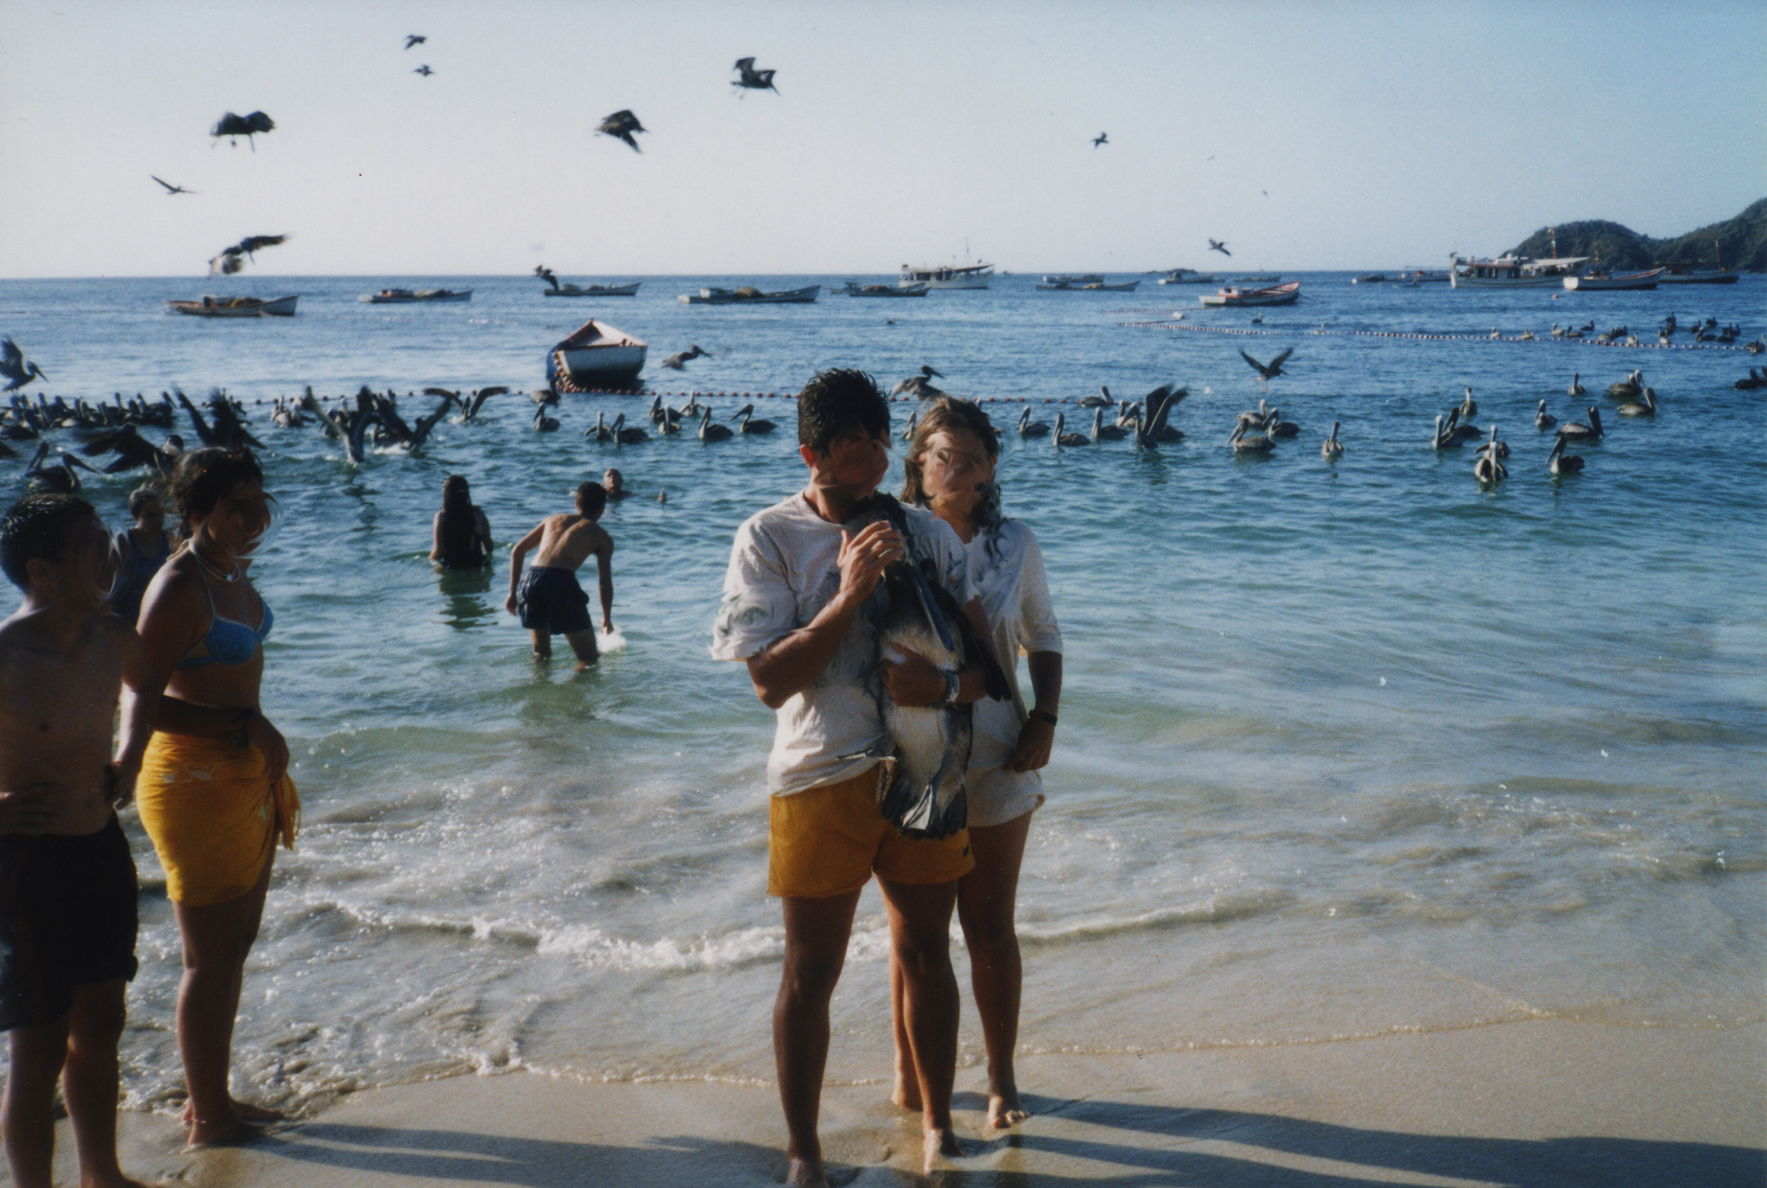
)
(229, 641)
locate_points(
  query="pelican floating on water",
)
(1331, 449)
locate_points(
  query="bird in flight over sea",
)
(1268, 371)
(412, 39)
(1101, 138)
(170, 188)
(1218, 245)
(424, 70)
(15, 367)
(620, 125)
(231, 259)
(233, 126)
(752, 79)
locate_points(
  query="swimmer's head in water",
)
(591, 499)
(612, 480)
(456, 495)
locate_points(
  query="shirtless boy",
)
(800, 575)
(67, 882)
(547, 598)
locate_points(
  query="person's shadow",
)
(1121, 1143)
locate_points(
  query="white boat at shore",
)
(1188, 276)
(596, 355)
(947, 276)
(630, 290)
(1514, 272)
(749, 295)
(1274, 295)
(1629, 280)
(236, 307)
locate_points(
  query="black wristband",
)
(1043, 716)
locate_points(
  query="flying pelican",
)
(18, 370)
(1030, 428)
(1647, 407)
(414, 39)
(745, 422)
(711, 432)
(423, 70)
(1544, 420)
(1331, 449)
(230, 260)
(752, 79)
(1101, 138)
(1060, 438)
(234, 126)
(679, 361)
(1576, 388)
(621, 125)
(1559, 462)
(172, 189)
(1589, 432)
(1217, 245)
(1268, 371)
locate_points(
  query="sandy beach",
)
(1533, 1103)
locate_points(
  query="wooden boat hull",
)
(630, 290)
(1279, 295)
(597, 355)
(420, 296)
(1090, 287)
(1632, 281)
(236, 307)
(1717, 276)
(804, 296)
(883, 291)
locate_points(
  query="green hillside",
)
(1740, 242)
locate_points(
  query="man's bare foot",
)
(906, 1095)
(939, 1145)
(1005, 1109)
(220, 1132)
(805, 1173)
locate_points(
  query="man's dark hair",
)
(839, 401)
(591, 499)
(204, 477)
(38, 526)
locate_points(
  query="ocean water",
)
(1345, 750)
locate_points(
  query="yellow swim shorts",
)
(213, 815)
(826, 841)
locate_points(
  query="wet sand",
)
(1536, 1103)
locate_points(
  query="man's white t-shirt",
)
(784, 568)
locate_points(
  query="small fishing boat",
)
(1514, 272)
(854, 289)
(1423, 276)
(1698, 276)
(408, 296)
(942, 276)
(1188, 276)
(1090, 287)
(749, 295)
(1602, 280)
(1274, 295)
(597, 355)
(630, 290)
(1373, 278)
(236, 307)
(1073, 279)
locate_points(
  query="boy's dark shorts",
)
(549, 599)
(67, 918)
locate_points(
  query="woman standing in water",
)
(214, 790)
(140, 550)
(950, 471)
(461, 536)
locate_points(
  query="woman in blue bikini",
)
(214, 790)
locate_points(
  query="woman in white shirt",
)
(950, 471)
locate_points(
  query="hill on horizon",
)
(1739, 243)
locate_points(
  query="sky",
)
(1308, 135)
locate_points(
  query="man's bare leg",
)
(906, 1094)
(920, 937)
(27, 1114)
(816, 932)
(583, 646)
(542, 644)
(987, 898)
(89, 1082)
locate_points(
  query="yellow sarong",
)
(213, 815)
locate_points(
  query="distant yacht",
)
(947, 276)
